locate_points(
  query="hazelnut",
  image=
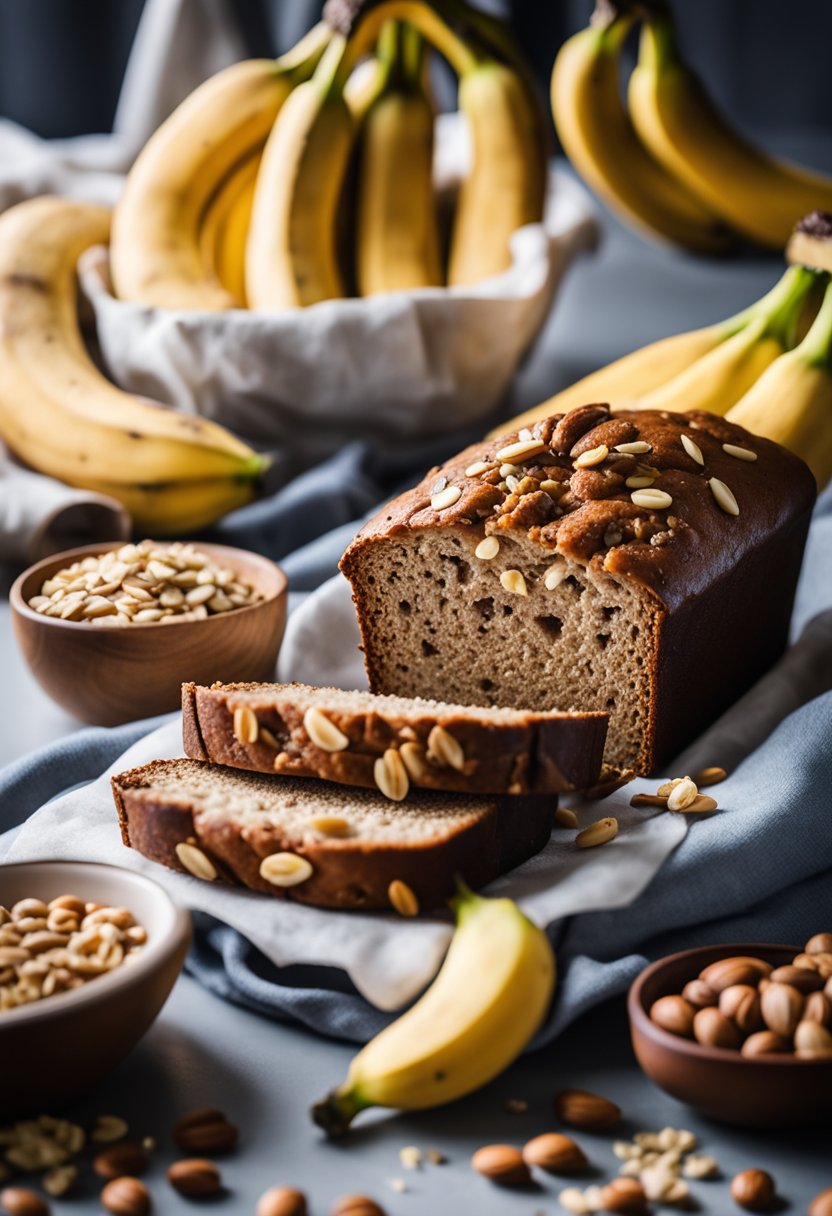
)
(739, 970)
(782, 1008)
(623, 1195)
(357, 1205)
(754, 1190)
(821, 1205)
(205, 1131)
(765, 1043)
(579, 1108)
(194, 1177)
(501, 1163)
(120, 1160)
(126, 1197)
(712, 1029)
(674, 1014)
(741, 1003)
(699, 994)
(818, 1008)
(800, 978)
(20, 1201)
(286, 1201)
(821, 943)
(555, 1153)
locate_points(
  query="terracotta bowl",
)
(56, 1049)
(109, 676)
(768, 1091)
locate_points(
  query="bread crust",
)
(351, 873)
(540, 754)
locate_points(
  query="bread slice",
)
(347, 845)
(324, 732)
(536, 570)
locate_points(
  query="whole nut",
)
(738, 970)
(286, 1201)
(821, 1205)
(765, 1043)
(126, 1197)
(741, 1003)
(674, 1014)
(555, 1153)
(357, 1205)
(712, 1029)
(579, 1108)
(205, 1131)
(800, 978)
(754, 1190)
(120, 1160)
(194, 1176)
(782, 1008)
(623, 1195)
(699, 994)
(501, 1163)
(821, 943)
(818, 1008)
(810, 1039)
(20, 1201)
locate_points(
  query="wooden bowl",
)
(109, 676)
(55, 1049)
(766, 1091)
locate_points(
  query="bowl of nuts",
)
(88, 956)
(741, 1033)
(111, 633)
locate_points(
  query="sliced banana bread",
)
(324, 844)
(343, 736)
(638, 562)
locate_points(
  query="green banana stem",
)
(780, 307)
(816, 347)
(305, 55)
(462, 57)
(336, 1111)
(413, 57)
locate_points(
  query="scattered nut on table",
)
(126, 1197)
(754, 1190)
(205, 1131)
(585, 1110)
(195, 1177)
(502, 1164)
(281, 1201)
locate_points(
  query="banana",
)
(791, 402)
(482, 1009)
(398, 237)
(719, 378)
(747, 342)
(222, 236)
(57, 411)
(155, 254)
(760, 196)
(599, 139)
(177, 508)
(506, 186)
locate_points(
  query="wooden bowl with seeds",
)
(105, 675)
(55, 1047)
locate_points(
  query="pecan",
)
(575, 424)
(610, 432)
(588, 484)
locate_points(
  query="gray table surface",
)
(265, 1075)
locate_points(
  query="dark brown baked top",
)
(566, 485)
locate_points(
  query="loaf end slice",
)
(347, 846)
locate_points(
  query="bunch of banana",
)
(480, 1012)
(173, 472)
(670, 164)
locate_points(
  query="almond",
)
(286, 1201)
(812, 1039)
(126, 1197)
(579, 1108)
(712, 1029)
(205, 1131)
(800, 978)
(739, 970)
(765, 1043)
(674, 1014)
(821, 943)
(357, 1205)
(20, 1201)
(754, 1190)
(623, 1195)
(195, 1177)
(821, 1205)
(121, 1159)
(818, 1008)
(502, 1164)
(699, 994)
(782, 1008)
(555, 1153)
(741, 1003)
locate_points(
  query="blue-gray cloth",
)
(758, 871)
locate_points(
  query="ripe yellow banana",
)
(599, 139)
(792, 401)
(506, 185)
(58, 412)
(222, 237)
(155, 251)
(480, 1012)
(690, 370)
(761, 197)
(398, 237)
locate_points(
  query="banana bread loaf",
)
(320, 843)
(344, 736)
(638, 562)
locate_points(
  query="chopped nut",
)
(410, 1157)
